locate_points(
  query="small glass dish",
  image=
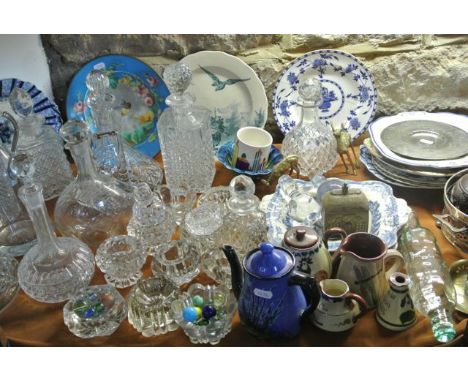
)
(121, 259)
(8, 281)
(216, 305)
(178, 260)
(95, 311)
(149, 306)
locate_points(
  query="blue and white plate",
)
(225, 157)
(349, 94)
(138, 89)
(42, 105)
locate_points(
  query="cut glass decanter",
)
(185, 135)
(113, 155)
(311, 140)
(94, 206)
(56, 268)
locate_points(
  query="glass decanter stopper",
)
(152, 222)
(94, 206)
(56, 268)
(311, 140)
(42, 144)
(113, 155)
(185, 135)
(244, 224)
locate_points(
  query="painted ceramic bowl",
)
(226, 158)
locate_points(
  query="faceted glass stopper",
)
(242, 190)
(74, 132)
(21, 102)
(22, 167)
(310, 89)
(97, 81)
(177, 78)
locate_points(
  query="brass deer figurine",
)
(343, 143)
(288, 164)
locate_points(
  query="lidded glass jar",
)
(113, 155)
(56, 268)
(311, 140)
(185, 135)
(94, 206)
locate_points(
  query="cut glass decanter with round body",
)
(113, 155)
(185, 135)
(56, 268)
(311, 140)
(94, 206)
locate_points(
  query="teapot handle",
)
(335, 231)
(310, 289)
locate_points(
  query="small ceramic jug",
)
(360, 262)
(310, 251)
(338, 309)
(396, 310)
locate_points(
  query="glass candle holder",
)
(121, 259)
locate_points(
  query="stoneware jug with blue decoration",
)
(272, 295)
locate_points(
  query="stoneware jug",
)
(360, 262)
(396, 309)
(272, 295)
(338, 309)
(311, 252)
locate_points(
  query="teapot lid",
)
(301, 237)
(269, 262)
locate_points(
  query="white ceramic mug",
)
(252, 148)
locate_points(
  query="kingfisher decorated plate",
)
(137, 88)
(348, 93)
(41, 105)
(226, 157)
(230, 89)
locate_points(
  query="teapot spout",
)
(236, 270)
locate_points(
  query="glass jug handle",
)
(309, 288)
(14, 143)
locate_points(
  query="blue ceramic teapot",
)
(272, 296)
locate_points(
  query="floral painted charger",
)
(230, 89)
(140, 92)
(348, 92)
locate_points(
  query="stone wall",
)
(411, 72)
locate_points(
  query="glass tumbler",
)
(121, 259)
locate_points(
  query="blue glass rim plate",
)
(224, 155)
(41, 105)
(139, 89)
(349, 94)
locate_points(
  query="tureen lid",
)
(269, 262)
(301, 237)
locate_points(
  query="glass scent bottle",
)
(95, 311)
(56, 268)
(94, 206)
(42, 144)
(244, 225)
(311, 140)
(185, 135)
(430, 284)
(152, 223)
(113, 155)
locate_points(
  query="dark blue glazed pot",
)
(272, 295)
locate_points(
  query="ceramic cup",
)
(252, 148)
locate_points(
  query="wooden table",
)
(30, 323)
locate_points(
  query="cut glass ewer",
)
(113, 155)
(56, 268)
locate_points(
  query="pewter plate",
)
(423, 139)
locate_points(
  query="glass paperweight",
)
(93, 207)
(178, 261)
(244, 225)
(42, 143)
(121, 258)
(311, 140)
(56, 268)
(185, 135)
(205, 313)
(179, 201)
(95, 311)
(149, 306)
(152, 222)
(8, 281)
(113, 155)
